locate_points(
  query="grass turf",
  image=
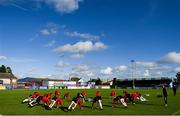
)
(10, 103)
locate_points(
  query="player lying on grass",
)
(30, 98)
(119, 99)
(97, 100)
(75, 101)
(137, 96)
(56, 100)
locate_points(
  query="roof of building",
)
(7, 76)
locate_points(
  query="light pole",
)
(133, 68)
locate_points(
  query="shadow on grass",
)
(63, 108)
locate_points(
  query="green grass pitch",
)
(10, 103)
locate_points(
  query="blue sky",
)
(90, 38)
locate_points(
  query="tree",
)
(2, 69)
(98, 81)
(114, 83)
(8, 69)
(178, 76)
(75, 79)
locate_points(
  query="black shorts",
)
(38, 99)
(97, 98)
(54, 98)
(118, 98)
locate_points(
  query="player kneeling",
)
(75, 101)
(119, 99)
(97, 100)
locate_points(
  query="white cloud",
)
(177, 69)
(106, 71)
(171, 58)
(64, 6)
(62, 64)
(84, 47)
(77, 56)
(146, 73)
(49, 29)
(82, 71)
(45, 32)
(3, 58)
(82, 35)
(146, 64)
(61, 6)
(80, 68)
(121, 68)
(50, 44)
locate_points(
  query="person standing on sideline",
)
(174, 88)
(164, 90)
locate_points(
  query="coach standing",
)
(164, 90)
(174, 88)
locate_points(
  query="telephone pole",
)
(133, 64)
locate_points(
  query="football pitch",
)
(10, 103)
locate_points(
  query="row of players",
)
(48, 101)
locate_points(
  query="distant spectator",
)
(174, 88)
(164, 90)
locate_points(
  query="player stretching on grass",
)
(137, 96)
(36, 100)
(75, 101)
(67, 95)
(56, 100)
(97, 100)
(30, 98)
(83, 96)
(127, 96)
(119, 99)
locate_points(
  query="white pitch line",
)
(175, 113)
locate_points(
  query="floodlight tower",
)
(133, 66)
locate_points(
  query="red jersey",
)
(84, 93)
(48, 95)
(46, 100)
(98, 93)
(113, 93)
(134, 96)
(33, 95)
(57, 93)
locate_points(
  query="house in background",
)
(8, 80)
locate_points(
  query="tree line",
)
(4, 69)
